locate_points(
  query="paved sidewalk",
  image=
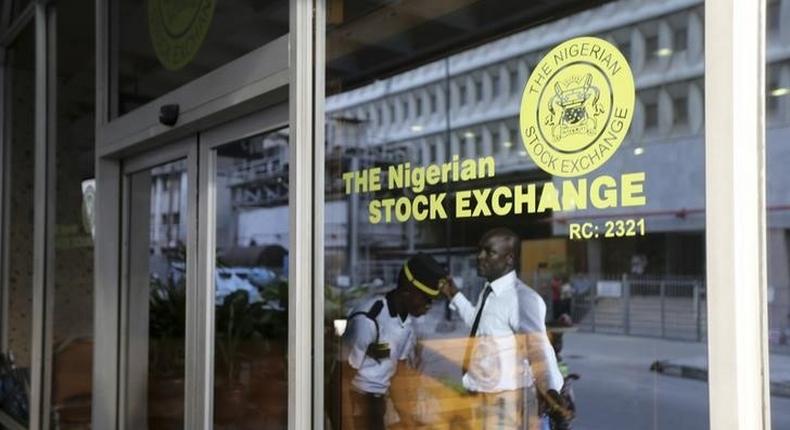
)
(672, 358)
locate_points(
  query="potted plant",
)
(166, 329)
(237, 321)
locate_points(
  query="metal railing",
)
(670, 308)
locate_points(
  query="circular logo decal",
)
(178, 28)
(577, 106)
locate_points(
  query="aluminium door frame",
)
(184, 149)
(735, 214)
(270, 119)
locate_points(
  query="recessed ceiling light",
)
(779, 92)
(469, 135)
(523, 153)
(639, 151)
(664, 52)
(416, 128)
(507, 144)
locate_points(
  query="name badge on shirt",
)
(379, 350)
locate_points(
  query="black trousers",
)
(368, 410)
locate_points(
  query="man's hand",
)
(447, 287)
(557, 407)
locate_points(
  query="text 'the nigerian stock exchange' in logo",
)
(178, 28)
(577, 106)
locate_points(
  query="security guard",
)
(380, 338)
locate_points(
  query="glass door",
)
(246, 220)
(204, 334)
(159, 236)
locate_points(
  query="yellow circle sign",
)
(178, 29)
(577, 106)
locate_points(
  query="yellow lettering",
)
(437, 206)
(549, 198)
(521, 198)
(420, 213)
(481, 207)
(496, 200)
(486, 167)
(374, 210)
(462, 204)
(403, 209)
(468, 170)
(347, 177)
(633, 189)
(574, 197)
(609, 197)
(375, 179)
(432, 174)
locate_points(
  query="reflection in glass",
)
(72, 300)
(157, 291)
(251, 283)
(777, 133)
(162, 45)
(620, 312)
(19, 147)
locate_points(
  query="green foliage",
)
(166, 327)
(167, 309)
(238, 321)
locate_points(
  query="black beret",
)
(424, 273)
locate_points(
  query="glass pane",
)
(524, 145)
(251, 283)
(72, 304)
(777, 112)
(18, 6)
(15, 361)
(157, 297)
(161, 45)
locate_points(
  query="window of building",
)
(625, 48)
(773, 15)
(680, 111)
(651, 45)
(462, 94)
(680, 39)
(478, 143)
(515, 85)
(651, 116)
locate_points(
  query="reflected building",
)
(467, 104)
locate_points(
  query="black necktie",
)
(473, 333)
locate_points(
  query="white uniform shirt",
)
(374, 376)
(496, 364)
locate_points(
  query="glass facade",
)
(18, 273)
(162, 45)
(376, 214)
(628, 295)
(72, 299)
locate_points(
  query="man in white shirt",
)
(508, 347)
(380, 339)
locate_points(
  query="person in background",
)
(508, 348)
(380, 341)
